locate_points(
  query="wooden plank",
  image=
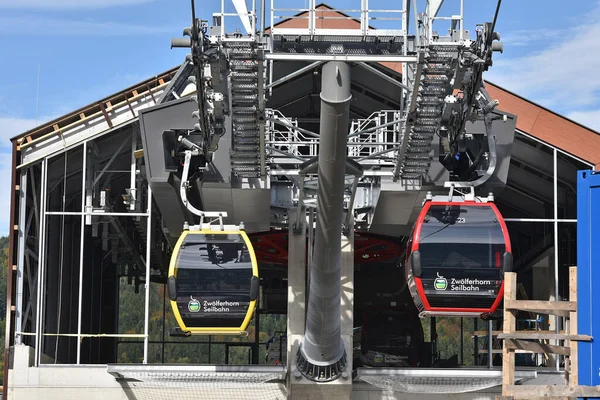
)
(528, 391)
(544, 335)
(573, 328)
(135, 93)
(56, 128)
(499, 351)
(485, 333)
(81, 115)
(496, 333)
(161, 81)
(534, 347)
(508, 357)
(138, 153)
(494, 351)
(561, 308)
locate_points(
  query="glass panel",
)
(567, 168)
(567, 255)
(64, 181)
(240, 355)
(391, 337)
(60, 299)
(465, 235)
(130, 352)
(391, 328)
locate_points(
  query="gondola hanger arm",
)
(185, 185)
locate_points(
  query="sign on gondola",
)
(213, 281)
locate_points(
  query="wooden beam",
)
(534, 347)
(561, 308)
(106, 118)
(150, 90)
(573, 328)
(508, 357)
(485, 333)
(528, 391)
(544, 335)
(129, 105)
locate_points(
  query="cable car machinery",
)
(466, 103)
(225, 251)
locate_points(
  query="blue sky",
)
(88, 49)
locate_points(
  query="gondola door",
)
(213, 282)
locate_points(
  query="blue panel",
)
(588, 260)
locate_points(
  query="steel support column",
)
(322, 356)
(21, 252)
(147, 261)
(82, 246)
(41, 262)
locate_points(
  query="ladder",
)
(431, 84)
(244, 94)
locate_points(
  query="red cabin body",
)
(458, 253)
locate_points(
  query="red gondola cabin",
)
(458, 253)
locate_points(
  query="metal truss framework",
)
(441, 76)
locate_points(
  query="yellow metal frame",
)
(173, 272)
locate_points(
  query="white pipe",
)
(40, 266)
(81, 246)
(242, 10)
(147, 286)
(556, 317)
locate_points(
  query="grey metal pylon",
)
(322, 356)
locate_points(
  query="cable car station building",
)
(198, 235)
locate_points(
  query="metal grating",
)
(436, 381)
(188, 382)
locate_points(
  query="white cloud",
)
(47, 26)
(559, 71)
(590, 118)
(525, 37)
(68, 4)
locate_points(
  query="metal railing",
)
(355, 21)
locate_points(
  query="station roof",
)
(533, 119)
